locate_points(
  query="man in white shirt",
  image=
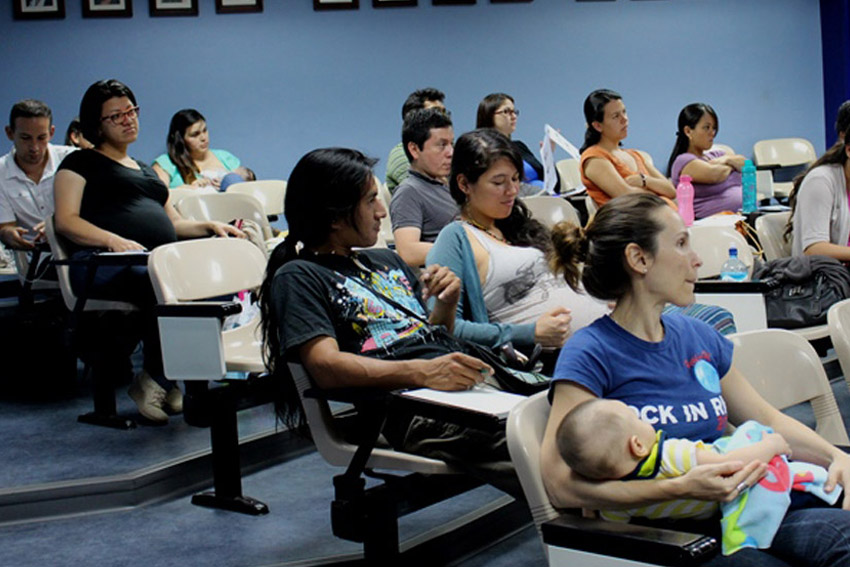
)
(26, 175)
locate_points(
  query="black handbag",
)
(802, 289)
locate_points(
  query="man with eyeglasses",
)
(26, 174)
(397, 162)
(422, 204)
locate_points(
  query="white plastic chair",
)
(269, 192)
(385, 238)
(591, 206)
(783, 152)
(105, 410)
(770, 229)
(785, 369)
(838, 321)
(646, 157)
(525, 428)
(338, 452)
(724, 148)
(551, 210)
(192, 270)
(712, 243)
(570, 174)
(197, 350)
(225, 207)
(179, 193)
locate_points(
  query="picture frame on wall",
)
(174, 7)
(38, 9)
(451, 2)
(107, 8)
(392, 3)
(237, 6)
(508, 1)
(336, 4)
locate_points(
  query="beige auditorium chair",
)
(770, 229)
(551, 210)
(783, 152)
(269, 192)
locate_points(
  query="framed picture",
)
(234, 6)
(390, 3)
(336, 4)
(507, 1)
(174, 7)
(39, 9)
(107, 8)
(449, 2)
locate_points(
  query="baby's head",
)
(604, 439)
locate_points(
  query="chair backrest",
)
(225, 207)
(724, 148)
(838, 321)
(551, 210)
(179, 193)
(712, 243)
(207, 267)
(771, 232)
(525, 428)
(269, 192)
(58, 248)
(337, 451)
(570, 174)
(785, 369)
(385, 238)
(591, 206)
(783, 152)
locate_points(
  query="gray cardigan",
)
(822, 213)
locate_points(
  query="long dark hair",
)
(594, 111)
(474, 153)
(91, 106)
(689, 116)
(177, 151)
(487, 109)
(325, 186)
(595, 255)
(837, 154)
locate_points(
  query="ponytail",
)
(569, 252)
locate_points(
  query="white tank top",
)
(519, 287)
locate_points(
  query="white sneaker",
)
(174, 401)
(149, 397)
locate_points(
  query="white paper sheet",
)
(547, 156)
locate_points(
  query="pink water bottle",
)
(685, 199)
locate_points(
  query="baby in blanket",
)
(606, 440)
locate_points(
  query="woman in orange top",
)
(607, 170)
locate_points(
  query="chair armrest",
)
(216, 309)
(108, 259)
(628, 541)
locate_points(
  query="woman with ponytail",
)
(607, 170)
(675, 372)
(716, 175)
(357, 318)
(820, 214)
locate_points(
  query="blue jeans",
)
(812, 537)
(131, 284)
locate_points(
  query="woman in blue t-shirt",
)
(676, 373)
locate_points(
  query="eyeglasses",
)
(119, 117)
(506, 111)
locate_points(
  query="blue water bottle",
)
(734, 270)
(748, 184)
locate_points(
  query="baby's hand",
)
(778, 443)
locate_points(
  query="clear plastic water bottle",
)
(748, 183)
(733, 270)
(685, 199)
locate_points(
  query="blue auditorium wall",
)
(276, 84)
